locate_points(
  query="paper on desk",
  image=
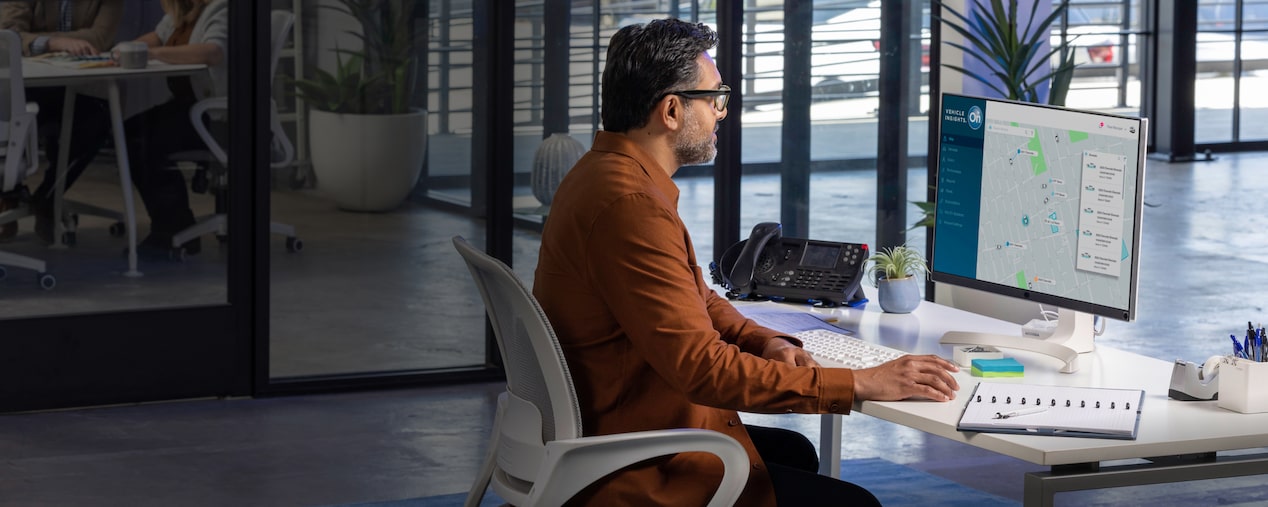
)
(788, 320)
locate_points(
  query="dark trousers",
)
(153, 136)
(89, 132)
(794, 470)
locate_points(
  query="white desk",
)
(42, 74)
(1180, 440)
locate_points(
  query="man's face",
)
(696, 142)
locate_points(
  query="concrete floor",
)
(1203, 266)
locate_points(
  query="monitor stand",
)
(1072, 337)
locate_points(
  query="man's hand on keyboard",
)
(779, 349)
(910, 376)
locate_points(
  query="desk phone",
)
(770, 266)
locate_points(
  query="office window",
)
(819, 171)
(1107, 39)
(1232, 52)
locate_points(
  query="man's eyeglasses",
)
(720, 96)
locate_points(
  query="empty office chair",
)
(18, 148)
(537, 454)
(199, 114)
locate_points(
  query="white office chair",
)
(537, 454)
(217, 106)
(18, 147)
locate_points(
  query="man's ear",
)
(669, 112)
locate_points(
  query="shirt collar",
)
(620, 144)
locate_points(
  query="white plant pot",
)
(554, 158)
(367, 162)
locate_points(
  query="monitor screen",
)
(1040, 202)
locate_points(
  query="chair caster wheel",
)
(118, 229)
(177, 254)
(46, 281)
(294, 245)
(68, 238)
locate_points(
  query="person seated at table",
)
(191, 32)
(648, 343)
(82, 27)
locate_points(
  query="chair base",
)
(11, 259)
(218, 224)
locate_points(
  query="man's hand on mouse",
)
(910, 376)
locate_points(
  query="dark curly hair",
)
(644, 63)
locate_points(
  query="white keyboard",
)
(844, 349)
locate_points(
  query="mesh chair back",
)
(280, 31)
(12, 95)
(535, 367)
(14, 119)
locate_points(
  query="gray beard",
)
(693, 153)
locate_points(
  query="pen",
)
(1237, 347)
(1019, 413)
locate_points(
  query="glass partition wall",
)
(381, 292)
(361, 285)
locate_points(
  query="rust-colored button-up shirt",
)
(649, 344)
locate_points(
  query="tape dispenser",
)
(1195, 382)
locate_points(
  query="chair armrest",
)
(279, 138)
(573, 464)
(196, 113)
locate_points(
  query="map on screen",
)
(1037, 198)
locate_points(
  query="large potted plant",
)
(368, 145)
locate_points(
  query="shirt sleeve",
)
(735, 328)
(165, 28)
(105, 25)
(639, 265)
(16, 16)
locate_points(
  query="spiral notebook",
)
(1051, 410)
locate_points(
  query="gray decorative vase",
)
(899, 296)
(555, 157)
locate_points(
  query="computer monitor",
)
(1041, 203)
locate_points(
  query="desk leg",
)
(63, 162)
(830, 445)
(125, 174)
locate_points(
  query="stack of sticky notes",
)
(1003, 367)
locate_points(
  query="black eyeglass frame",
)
(721, 96)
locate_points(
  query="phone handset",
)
(741, 276)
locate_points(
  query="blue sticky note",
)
(1004, 367)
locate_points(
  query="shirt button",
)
(834, 408)
(732, 422)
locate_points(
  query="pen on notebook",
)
(1019, 413)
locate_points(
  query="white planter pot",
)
(554, 158)
(367, 162)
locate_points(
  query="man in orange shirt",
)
(649, 344)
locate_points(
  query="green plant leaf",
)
(378, 78)
(1012, 55)
(896, 262)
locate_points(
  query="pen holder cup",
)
(133, 55)
(1243, 386)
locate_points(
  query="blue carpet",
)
(893, 484)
